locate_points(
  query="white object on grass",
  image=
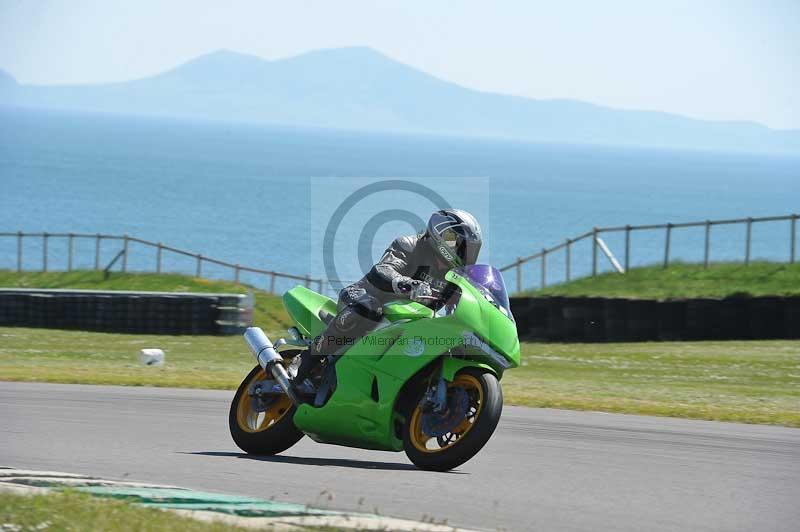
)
(151, 357)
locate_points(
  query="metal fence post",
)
(159, 251)
(199, 272)
(272, 283)
(594, 252)
(308, 281)
(44, 252)
(70, 243)
(747, 242)
(97, 251)
(666, 245)
(793, 236)
(236, 270)
(627, 248)
(568, 258)
(19, 251)
(544, 267)
(707, 251)
(519, 274)
(125, 253)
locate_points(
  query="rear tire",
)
(270, 432)
(454, 448)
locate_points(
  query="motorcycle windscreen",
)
(489, 281)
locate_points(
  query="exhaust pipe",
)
(269, 359)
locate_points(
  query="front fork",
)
(436, 395)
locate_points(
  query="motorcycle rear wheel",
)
(471, 431)
(254, 431)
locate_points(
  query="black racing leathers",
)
(360, 306)
(407, 257)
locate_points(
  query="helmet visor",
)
(468, 251)
(463, 248)
(451, 238)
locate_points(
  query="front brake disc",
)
(434, 424)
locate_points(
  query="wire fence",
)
(562, 262)
(126, 248)
(546, 258)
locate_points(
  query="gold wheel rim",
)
(427, 444)
(253, 421)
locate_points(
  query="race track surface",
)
(543, 470)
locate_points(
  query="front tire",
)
(467, 428)
(254, 431)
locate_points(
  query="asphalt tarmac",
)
(549, 470)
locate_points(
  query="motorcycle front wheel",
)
(262, 425)
(443, 441)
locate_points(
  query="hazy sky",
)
(730, 60)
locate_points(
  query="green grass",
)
(268, 312)
(745, 381)
(686, 280)
(62, 511)
(47, 355)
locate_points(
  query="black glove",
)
(415, 289)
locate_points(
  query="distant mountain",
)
(359, 88)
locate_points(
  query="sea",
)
(325, 203)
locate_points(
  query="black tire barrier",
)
(791, 316)
(766, 317)
(594, 319)
(671, 320)
(556, 325)
(616, 319)
(642, 320)
(702, 319)
(575, 314)
(125, 312)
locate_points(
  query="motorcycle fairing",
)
(361, 411)
(406, 310)
(304, 307)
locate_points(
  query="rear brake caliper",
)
(263, 393)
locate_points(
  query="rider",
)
(412, 267)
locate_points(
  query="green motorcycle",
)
(425, 382)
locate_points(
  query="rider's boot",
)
(308, 361)
(352, 322)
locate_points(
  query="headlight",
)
(472, 339)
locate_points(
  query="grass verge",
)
(686, 280)
(744, 381)
(741, 381)
(78, 511)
